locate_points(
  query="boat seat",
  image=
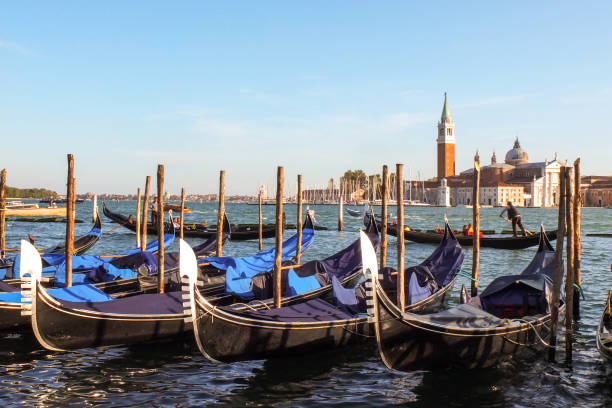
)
(313, 310)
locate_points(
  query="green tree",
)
(14, 192)
(357, 176)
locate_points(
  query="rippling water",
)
(176, 373)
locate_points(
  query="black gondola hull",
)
(60, 328)
(11, 318)
(604, 331)
(237, 338)
(488, 242)
(407, 343)
(192, 231)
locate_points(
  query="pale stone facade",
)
(495, 196)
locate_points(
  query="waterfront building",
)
(539, 180)
(596, 191)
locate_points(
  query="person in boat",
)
(52, 203)
(154, 210)
(513, 216)
(468, 230)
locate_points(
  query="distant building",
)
(539, 180)
(496, 194)
(596, 191)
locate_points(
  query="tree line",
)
(15, 192)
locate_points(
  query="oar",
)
(18, 249)
(526, 230)
(129, 221)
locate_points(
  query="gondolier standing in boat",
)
(513, 216)
(154, 211)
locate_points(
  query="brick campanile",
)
(446, 143)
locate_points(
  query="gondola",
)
(306, 324)
(519, 242)
(604, 331)
(511, 315)
(193, 230)
(81, 245)
(354, 213)
(107, 319)
(109, 273)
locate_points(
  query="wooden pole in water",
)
(2, 211)
(280, 180)
(221, 213)
(160, 227)
(569, 279)
(383, 213)
(340, 215)
(476, 228)
(70, 220)
(182, 211)
(138, 209)
(145, 216)
(298, 255)
(401, 248)
(554, 313)
(577, 237)
(261, 221)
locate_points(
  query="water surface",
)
(176, 374)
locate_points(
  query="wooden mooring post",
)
(70, 202)
(160, 228)
(298, 255)
(577, 238)
(340, 215)
(2, 212)
(556, 295)
(384, 216)
(260, 220)
(221, 213)
(476, 227)
(401, 248)
(145, 216)
(182, 213)
(138, 209)
(280, 181)
(569, 279)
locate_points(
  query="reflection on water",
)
(176, 374)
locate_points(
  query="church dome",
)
(516, 155)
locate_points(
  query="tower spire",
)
(445, 111)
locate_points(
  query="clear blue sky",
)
(319, 87)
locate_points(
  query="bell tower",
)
(446, 143)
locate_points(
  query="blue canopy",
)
(240, 271)
(78, 293)
(85, 262)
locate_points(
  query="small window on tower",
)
(441, 132)
(449, 131)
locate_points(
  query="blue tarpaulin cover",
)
(87, 262)
(77, 293)
(298, 285)
(240, 271)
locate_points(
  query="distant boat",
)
(60, 200)
(37, 212)
(20, 204)
(414, 203)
